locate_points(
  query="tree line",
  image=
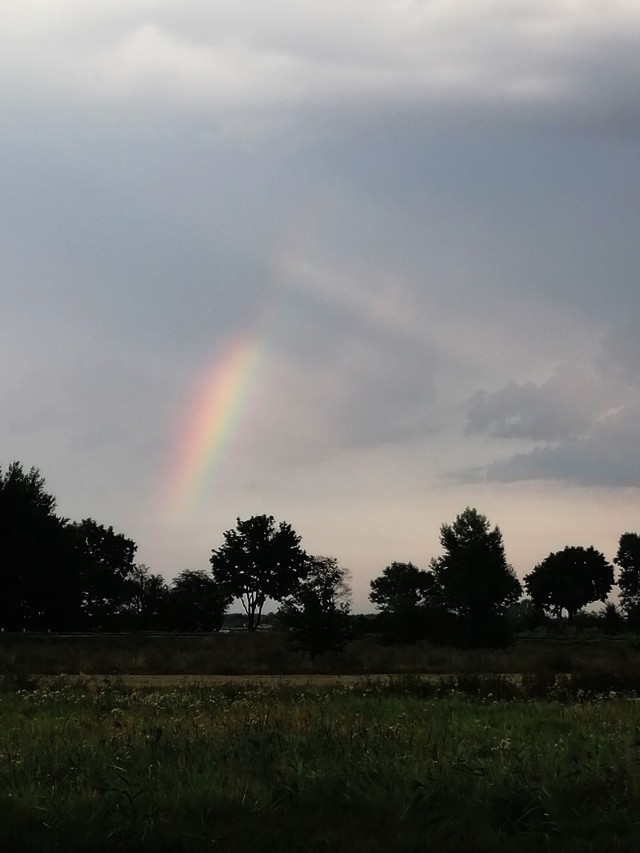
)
(61, 575)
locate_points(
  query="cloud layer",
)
(582, 422)
(246, 64)
(425, 213)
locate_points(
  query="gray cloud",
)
(564, 407)
(261, 66)
(621, 357)
(588, 418)
(607, 456)
(343, 382)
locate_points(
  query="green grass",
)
(402, 765)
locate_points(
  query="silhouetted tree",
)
(628, 558)
(612, 619)
(145, 600)
(259, 561)
(408, 599)
(569, 579)
(473, 572)
(317, 613)
(197, 602)
(401, 586)
(524, 615)
(108, 573)
(476, 582)
(38, 561)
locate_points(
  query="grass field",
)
(236, 743)
(396, 765)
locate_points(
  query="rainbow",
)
(219, 402)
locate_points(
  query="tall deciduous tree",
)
(570, 579)
(473, 574)
(318, 611)
(407, 598)
(108, 573)
(628, 558)
(257, 561)
(38, 563)
(145, 599)
(402, 587)
(197, 602)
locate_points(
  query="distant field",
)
(310, 681)
(267, 653)
(374, 766)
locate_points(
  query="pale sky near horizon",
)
(356, 265)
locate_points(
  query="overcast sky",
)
(420, 220)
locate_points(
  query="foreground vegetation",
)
(400, 765)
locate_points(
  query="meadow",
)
(494, 757)
(404, 764)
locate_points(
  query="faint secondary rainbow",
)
(212, 420)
